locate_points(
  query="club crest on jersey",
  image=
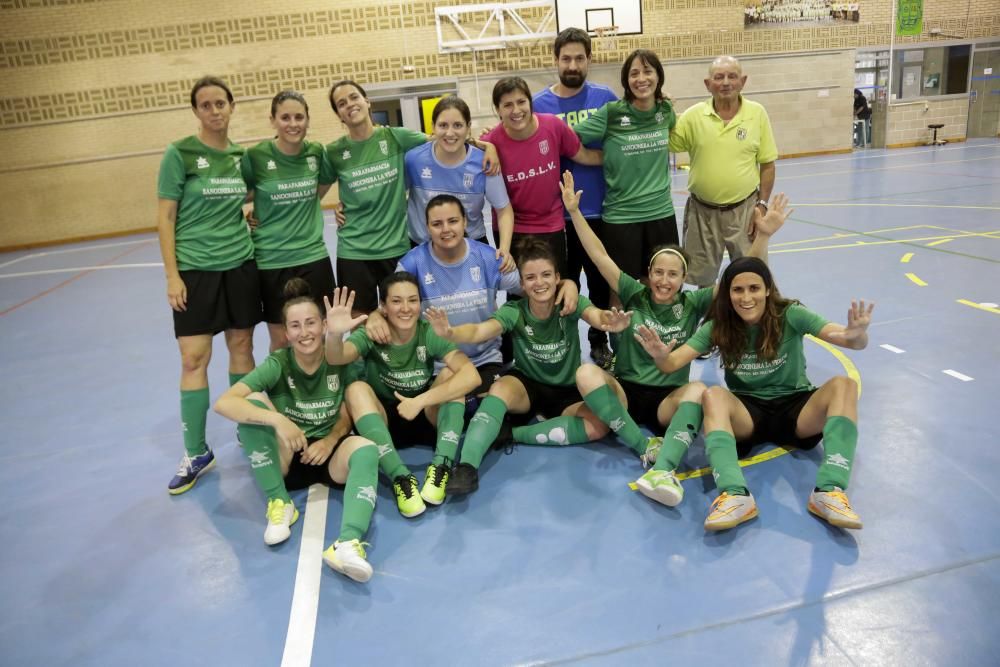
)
(346, 155)
(543, 146)
(741, 133)
(421, 353)
(383, 146)
(626, 121)
(475, 273)
(426, 173)
(528, 330)
(385, 356)
(311, 161)
(291, 382)
(333, 382)
(236, 160)
(659, 116)
(202, 163)
(271, 166)
(467, 181)
(677, 310)
(428, 278)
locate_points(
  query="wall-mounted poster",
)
(789, 13)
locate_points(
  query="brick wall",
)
(907, 124)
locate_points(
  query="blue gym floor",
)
(554, 560)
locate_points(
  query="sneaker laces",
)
(439, 472)
(723, 497)
(407, 484)
(355, 545)
(276, 511)
(840, 496)
(185, 466)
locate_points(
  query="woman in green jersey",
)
(769, 398)
(399, 386)
(634, 133)
(368, 164)
(287, 177)
(296, 432)
(546, 369)
(653, 398)
(212, 282)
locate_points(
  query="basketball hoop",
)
(607, 37)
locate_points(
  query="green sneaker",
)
(407, 499)
(661, 486)
(653, 446)
(435, 483)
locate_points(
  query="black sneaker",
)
(602, 355)
(505, 438)
(464, 479)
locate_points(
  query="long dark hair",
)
(651, 59)
(730, 334)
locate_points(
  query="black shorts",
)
(644, 401)
(630, 244)
(219, 300)
(363, 276)
(405, 433)
(549, 400)
(303, 475)
(774, 421)
(488, 374)
(318, 274)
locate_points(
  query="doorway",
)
(984, 94)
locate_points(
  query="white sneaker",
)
(653, 447)
(661, 486)
(348, 558)
(834, 507)
(280, 517)
(730, 511)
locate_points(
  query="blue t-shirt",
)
(466, 290)
(427, 178)
(573, 110)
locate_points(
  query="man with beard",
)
(572, 100)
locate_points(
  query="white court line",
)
(305, 597)
(67, 250)
(23, 274)
(796, 162)
(960, 376)
(892, 348)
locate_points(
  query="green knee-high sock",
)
(557, 431)
(235, 377)
(359, 493)
(604, 403)
(261, 447)
(840, 438)
(721, 449)
(680, 434)
(451, 419)
(372, 427)
(483, 429)
(194, 413)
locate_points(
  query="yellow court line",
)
(905, 259)
(913, 277)
(933, 243)
(858, 244)
(966, 302)
(852, 372)
(842, 235)
(887, 168)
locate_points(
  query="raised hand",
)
(858, 319)
(338, 312)
(615, 320)
(775, 217)
(570, 197)
(651, 342)
(438, 319)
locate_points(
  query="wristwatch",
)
(762, 202)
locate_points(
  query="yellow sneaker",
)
(280, 517)
(730, 511)
(349, 558)
(407, 499)
(834, 507)
(435, 484)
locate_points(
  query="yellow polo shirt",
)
(724, 157)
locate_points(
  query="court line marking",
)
(959, 376)
(988, 309)
(876, 204)
(63, 251)
(780, 450)
(792, 162)
(46, 272)
(883, 241)
(892, 348)
(69, 280)
(934, 243)
(305, 596)
(915, 279)
(887, 168)
(905, 259)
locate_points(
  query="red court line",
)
(71, 279)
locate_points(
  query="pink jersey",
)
(531, 172)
